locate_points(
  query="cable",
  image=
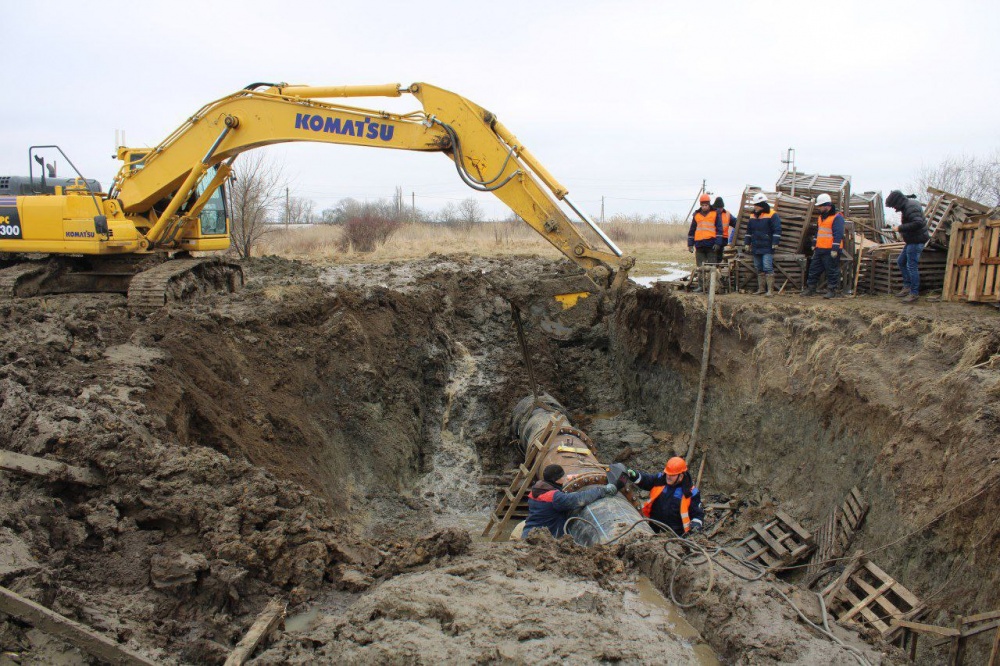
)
(853, 650)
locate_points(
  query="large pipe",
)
(601, 521)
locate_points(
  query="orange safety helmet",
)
(704, 199)
(675, 465)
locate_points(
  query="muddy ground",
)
(330, 436)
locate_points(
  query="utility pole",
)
(696, 197)
(413, 207)
(288, 209)
(602, 209)
(789, 163)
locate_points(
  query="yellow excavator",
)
(65, 235)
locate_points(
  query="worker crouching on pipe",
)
(673, 499)
(550, 507)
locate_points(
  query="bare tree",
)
(470, 212)
(299, 210)
(967, 176)
(255, 189)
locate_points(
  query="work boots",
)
(830, 293)
(770, 285)
(810, 290)
(903, 293)
(911, 298)
(760, 285)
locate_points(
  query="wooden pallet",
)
(514, 503)
(965, 628)
(879, 272)
(789, 273)
(776, 544)
(795, 213)
(837, 533)
(865, 595)
(944, 210)
(973, 266)
(809, 186)
(868, 213)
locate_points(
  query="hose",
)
(463, 173)
(854, 651)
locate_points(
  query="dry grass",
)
(648, 242)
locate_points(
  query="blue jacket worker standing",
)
(550, 507)
(673, 499)
(762, 239)
(913, 228)
(826, 256)
(705, 236)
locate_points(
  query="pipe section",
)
(572, 449)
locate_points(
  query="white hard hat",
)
(759, 198)
(824, 199)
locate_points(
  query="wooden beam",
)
(831, 592)
(995, 652)
(926, 628)
(268, 619)
(69, 630)
(49, 469)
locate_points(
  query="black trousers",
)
(822, 260)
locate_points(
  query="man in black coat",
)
(913, 228)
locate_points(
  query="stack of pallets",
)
(795, 213)
(810, 186)
(868, 214)
(944, 210)
(973, 272)
(880, 272)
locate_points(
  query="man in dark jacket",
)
(826, 248)
(705, 235)
(728, 223)
(673, 500)
(763, 237)
(913, 228)
(550, 507)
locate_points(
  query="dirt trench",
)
(329, 435)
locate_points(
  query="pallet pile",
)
(810, 186)
(795, 213)
(973, 266)
(867, 211)
(879, 272)
(789, 273)
(944, 210)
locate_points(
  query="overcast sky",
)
(634, 101)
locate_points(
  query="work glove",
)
(716, 247)
(746, 248)
(610, 489)
(632, 475)
(696, 525)
(691, 248)
(835, 254)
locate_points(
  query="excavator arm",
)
(487, 157)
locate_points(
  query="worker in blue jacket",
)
(550, 507)
(762, 239)
(673, 498)
(828, 244)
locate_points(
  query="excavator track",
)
(182, 280)
(20, 280)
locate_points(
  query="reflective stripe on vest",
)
(824, 232)
(706, 226)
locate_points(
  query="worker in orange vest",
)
(826, 255)
(673, 499)
(728, 225)
(705, 237)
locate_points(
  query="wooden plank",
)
(49, 469)
(834, 588)
(69, 630)
(866, 602)
(995, 652)
(776, 547)
(903, 593)
(926, 628)
(888, 607)
(268, 619)
(788, 520)
(974, 631)
(866, 612)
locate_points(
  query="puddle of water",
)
(672, 271)
(302, 621)
(647, 602)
